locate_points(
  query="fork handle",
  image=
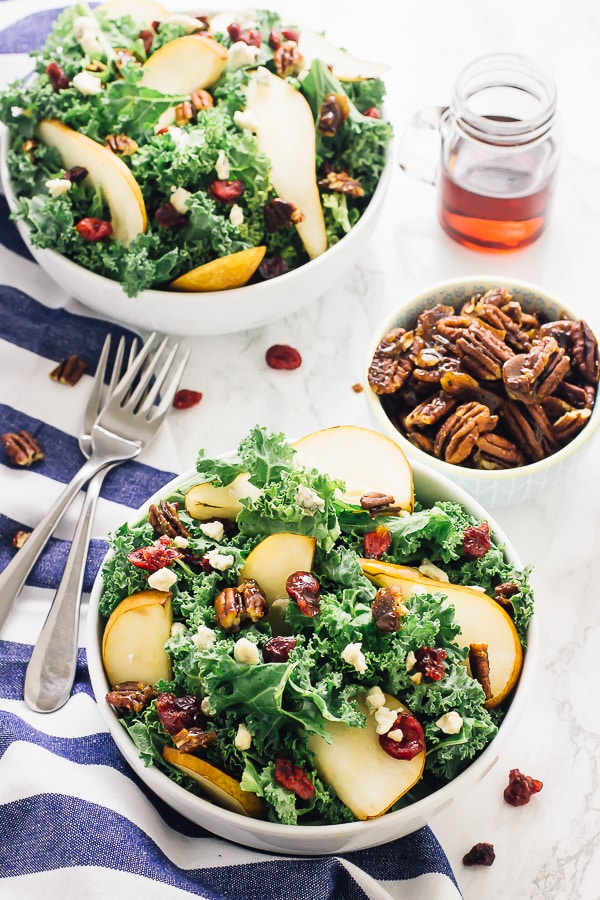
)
(51, 670)
(12, 578)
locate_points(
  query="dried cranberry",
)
(291, 34)
(430, 662)
(273, 267)
(480, 855)
(226, 191)
(176, 713)
(278, 649)
(275, 39)
(168, 217)
(372, 113)
(375, 543)
(520, 788)
(184, 399)
(76, 174)
(93, 230)
(249, 36)
(156, 556)
(294, 778)
(277, 214)
(413, 738)
(476, 540)
(304, 589)
(282, 356)
(58, 79)
(146, 37)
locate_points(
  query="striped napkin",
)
(74, 821)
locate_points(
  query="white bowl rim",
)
(464, 472)
(285, 838)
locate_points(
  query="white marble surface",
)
(551, 848)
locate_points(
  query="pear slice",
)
(208, 501)
(482, 621)
(222, 274)
(365, 460)
(365, 778)
(142, 11)
(184, 65)
(285, 131)
(275, 558)
(217, 785)
(344, 66)
(105, 171)
(135, 636)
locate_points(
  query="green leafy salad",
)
(278, 634)
(190, 172)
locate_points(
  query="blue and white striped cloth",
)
(74, 821)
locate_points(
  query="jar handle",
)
(416, 154)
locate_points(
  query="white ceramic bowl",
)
(503, 486)
(196, 313)
(310, 840)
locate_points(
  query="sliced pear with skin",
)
(285, 131)
(277, 557)
(142, 11)
(105, 171)
(184, 65)
(364, 459)
(217, 785)
(209, 501)
(344, 66)
(133, 644)
(222, 274)
(482, 621)
(365, 778)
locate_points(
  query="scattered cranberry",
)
(413, 738)
(282, 356)
(250, 36)
(226, 191)
(357, 388)
(168, 217)
(304, 589)
(176, 713)
(372, 113)
(520, 788)
(76, 174)
(58, 79)
(294, 778)
(480, 855)
(376, 542)
(476, 540)
(185, 399)
(291, 34)
(146, 37)
(274, 39)
(156, 556)
(278, 649)
(93, 230)
(273, 267)
(430, 662)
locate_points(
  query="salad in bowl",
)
(307, 661)
(190, 153)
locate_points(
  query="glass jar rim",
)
(504, 70)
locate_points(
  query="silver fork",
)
(127, 423)
(53, 663)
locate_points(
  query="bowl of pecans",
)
(491, 381)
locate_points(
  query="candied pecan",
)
(333, 113)
(176, 713)
(413, 738)
(341, 183)
(376, 542)
(188, 740)
(480, 667)
(120, 144)
(476, 540)
(493, 451)
(239, 605)
(430, 662)
(531, 429)
(482, 352)
(30, 146)
(19, 538)
(481, 854)
(279, 213)
(429, 411)
(533, 376)
(430, 319)
(201, 99)
(124, 57)
(133, 696)
(575, 394)
(184, 113)
(288, 59)
(520, 788)
(390, 368)
(295, 779)
(424, 443)
(570, 424)
(278, 649)
(460, 432)
(304, 589)
(504, 591)
(388, 608)
(164, 518)
(585, 352)
(168, 217)
(69, 370)
(497, 318)
(22, 449)
(433, 374)
(376, 501)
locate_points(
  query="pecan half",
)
(493, 451)
(388, 609)
(133, 696)
(288, 59)
(333, 113)
(188, 740)
(164, 518)
(120, 144)
(20, 538)
(482, 352)
(533, 376)
(390, 367)
(376, 501)
(480, 667)
(22, 449)
(460, 432)
(570, 424)
(244, 603)
(341, 183)
(69, 371)
(430, 411)
(531, 429)
(585, 352)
